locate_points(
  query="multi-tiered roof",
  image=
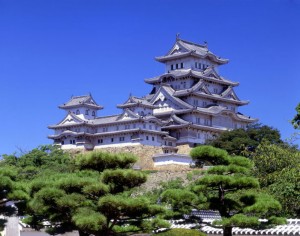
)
(189, 103)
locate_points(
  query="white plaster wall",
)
(82, 111)
(223, 121)
(172, 159)
(188, 63)
(142, 111)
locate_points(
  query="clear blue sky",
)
(53, 49)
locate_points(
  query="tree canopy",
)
(94, 199)
(277, 169)
(296, 119)
(228, 188)
(241, 141)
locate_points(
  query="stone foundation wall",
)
(145, 154)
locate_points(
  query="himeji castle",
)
(188, 104)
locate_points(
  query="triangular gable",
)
(229, 93)
(201, 87)
(163, 97)
(130, 100)
(177, 48)
(127, 115)
(71, 119)
(90, 100)
(211, 72)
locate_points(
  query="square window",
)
(122, 139)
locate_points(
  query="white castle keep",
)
(188, 104)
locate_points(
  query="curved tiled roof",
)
(134, 101)
(183, 48)
(78, 101)
(190, 72)
(169, 91)
(291, 228)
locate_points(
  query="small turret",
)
(84, 107)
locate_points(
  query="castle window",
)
(150, 126)
(77, 112)
(127, 126)
(62, 142)
(153, 138)
(176, 66)
(100, 141)
(204, 103)
(144, 126)
(181, 65)
(112, 140)
(196, 65)
(117, 127)
(172, 67)
(122, 139)
(86, 112)
(105, 129)
(93, 113)
(206, 122)
(198, 120)
(147, 137)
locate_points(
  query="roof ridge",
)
(81, 96)
(195, 44)
(100, 117)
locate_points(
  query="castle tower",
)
(196, 101)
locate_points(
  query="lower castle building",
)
(188, 104)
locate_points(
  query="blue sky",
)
(53, 49)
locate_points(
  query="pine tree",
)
(95, 199)
(227, 187)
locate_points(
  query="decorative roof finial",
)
(205, 44)
(177, 36)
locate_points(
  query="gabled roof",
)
(211, 72)
(200, 90)
(193, 73)
(198, 87)
(128, 114)
(165, 91)
(81, 101)
(183, 48)
(135, 101)
(217, 110)
(69, 120)
(229, 93)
